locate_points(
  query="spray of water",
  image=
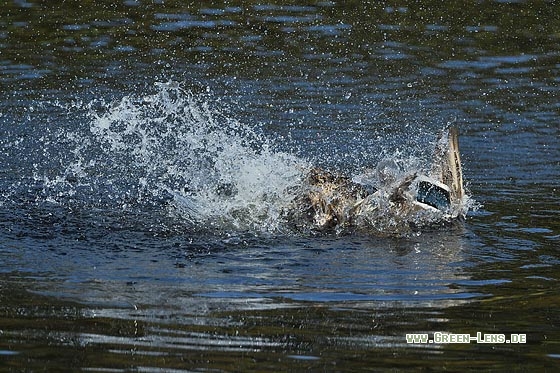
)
(172, 152)
(210, 169)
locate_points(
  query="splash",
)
(213, 170)
(173, 153)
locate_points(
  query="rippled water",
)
(110, 111)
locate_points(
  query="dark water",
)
(110, 110)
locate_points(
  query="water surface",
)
(108, 110)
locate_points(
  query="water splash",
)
(172, 153)
(173, 145)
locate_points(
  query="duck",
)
(329, 201)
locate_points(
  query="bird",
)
(329, 201)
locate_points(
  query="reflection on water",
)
(257, 273)
(98, 272)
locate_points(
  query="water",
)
(147, 151)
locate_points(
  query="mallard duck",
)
(330, 201)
